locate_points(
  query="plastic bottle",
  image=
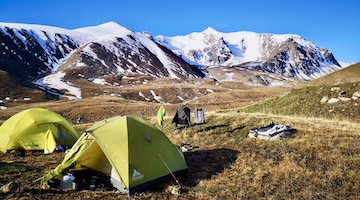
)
(68, 182)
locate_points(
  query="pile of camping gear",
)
(271, 131)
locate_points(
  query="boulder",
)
(324, 99)
(356, 95)
(11, 187)
(333, 100)
(344, 99)
(341, 93)
(335, 89)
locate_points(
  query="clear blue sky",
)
(333, 24)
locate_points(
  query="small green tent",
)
(36, 129)
(133, 153)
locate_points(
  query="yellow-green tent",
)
(36, 129)
(132, 152)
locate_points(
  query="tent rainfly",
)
(131, 152)
(36, 129)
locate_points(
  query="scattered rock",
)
(335, 89)
(333, 100)
(11, 187)
(356, 95)
(341, 93)
(344, 99)
(331, 111)
(324, 99)
(176, 190)
(185, 147)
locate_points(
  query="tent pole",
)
(167, 167)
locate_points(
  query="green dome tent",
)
(133, 153)
(36, 129)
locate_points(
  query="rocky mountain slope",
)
(31, 51)
(288, 55)
(63, 62)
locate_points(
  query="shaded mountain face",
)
(31, 51)
(287, 55)
(133, 53)
(28, 54)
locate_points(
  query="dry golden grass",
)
(129, 102)
(320, 161)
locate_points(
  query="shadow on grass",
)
(7, 166)
(35, 193)
(208, 128)
(235, 129)
(201, 127)
(203, 164)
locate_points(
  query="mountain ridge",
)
(31, 52)
(211, 47)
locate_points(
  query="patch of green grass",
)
(306, 102)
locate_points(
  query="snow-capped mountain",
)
(287, 54)
(55, 59)
(35, 50)
(29, 51)
(115, 49)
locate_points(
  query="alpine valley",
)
(242, 80)
(50, 62)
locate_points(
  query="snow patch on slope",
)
(155, 49)
(100, 81)
(157, 98)
(142, 95)
(56, 81)
(345, 64)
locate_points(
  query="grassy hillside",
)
(306, 101)
(349, 74)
